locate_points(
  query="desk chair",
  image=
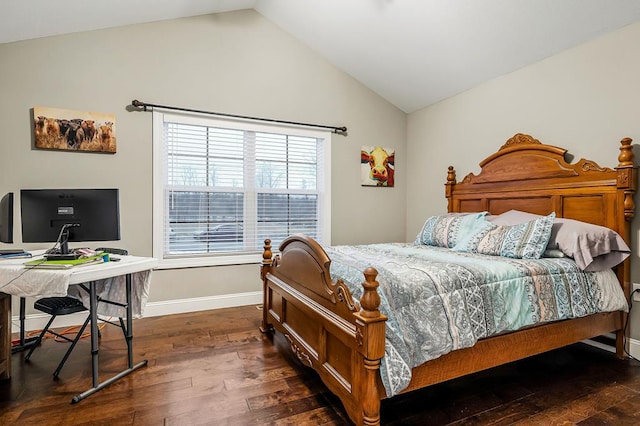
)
(56, 306)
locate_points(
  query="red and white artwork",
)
(377, 166)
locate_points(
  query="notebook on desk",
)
(13, 253)
(65, 264)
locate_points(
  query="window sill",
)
(205, 261)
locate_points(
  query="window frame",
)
(160, 174)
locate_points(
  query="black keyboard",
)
(58, 256)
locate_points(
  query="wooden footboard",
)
(341, 339)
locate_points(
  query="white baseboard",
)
(153, 309)
(634, 348)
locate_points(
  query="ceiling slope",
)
(411, 52)
(417, 52)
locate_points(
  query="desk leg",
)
(94, 344)
(23, 316)
(129, 332)
(93, 310)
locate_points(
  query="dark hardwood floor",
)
(215, 368)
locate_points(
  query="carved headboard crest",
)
(519, 138)
(522, 157)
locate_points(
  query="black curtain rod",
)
(338, 130)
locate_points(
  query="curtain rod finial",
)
(340, 130)
(136, 103)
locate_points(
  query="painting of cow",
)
(70, 130)
(377, 166)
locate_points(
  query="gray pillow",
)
(556, 253)
(512, 217)
(593, 247)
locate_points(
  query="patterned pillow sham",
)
(523, 241)
(593, 247)
(447, 230)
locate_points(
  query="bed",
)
(343, 337)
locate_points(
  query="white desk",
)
(16, 281)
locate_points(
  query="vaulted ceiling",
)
(411, 52)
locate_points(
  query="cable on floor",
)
(70, 330)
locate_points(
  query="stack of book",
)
(66, 263)
(13, 253)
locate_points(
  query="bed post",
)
(448, 187)
(627, 174)
(370, 335)
(626, 185)
(267, 262)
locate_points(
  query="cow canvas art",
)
(69, 130)
(377, 166)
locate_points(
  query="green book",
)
(64, 264)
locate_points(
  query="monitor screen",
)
(90, 214)
(6, 218)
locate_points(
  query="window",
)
(221, 187)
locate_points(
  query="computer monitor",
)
(69, 215)
(6, 218)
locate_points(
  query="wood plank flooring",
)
(215, 368)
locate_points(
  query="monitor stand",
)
(63, 252)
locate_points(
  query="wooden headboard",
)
(528, 175)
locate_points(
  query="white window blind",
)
(228, 186)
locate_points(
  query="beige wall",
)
(235, 63)
(584, 99)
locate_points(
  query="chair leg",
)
(124, 330)
(73, 344)
(39, 339)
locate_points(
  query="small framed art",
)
(377, 166)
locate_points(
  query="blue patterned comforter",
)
(438, 300)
